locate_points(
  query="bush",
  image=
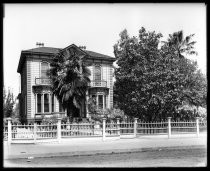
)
(187, 112)
(50, 120)
(109, 114)
(16, 121)
(64, 119)
(13, 121)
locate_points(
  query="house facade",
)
(36, 98)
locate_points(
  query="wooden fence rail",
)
(58, 131)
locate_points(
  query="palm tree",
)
(70, 80)
(180, 44)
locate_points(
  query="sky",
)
(96, 26)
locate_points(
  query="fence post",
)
(118, 126)
(35, 132)
(9, 135)
(104, 129)
(135, 127)
(59, 130)
(197, 126)
(169, 127)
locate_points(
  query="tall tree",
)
(193, 80)
(70, 79)
(151, 82)
(8, 103)
(181, 44)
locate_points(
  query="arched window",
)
(97, 72)
(44, 69)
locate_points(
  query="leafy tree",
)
(70, 79)
(8, 103)
(151, 82)
(193, 81)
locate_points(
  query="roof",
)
(56, 50)
(98, 55)
(44, 50)
(52, 50)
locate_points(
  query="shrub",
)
(109, 114)
(50, 120)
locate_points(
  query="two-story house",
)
(36, 98)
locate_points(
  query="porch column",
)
(42, 104)
(35, 104)
(50, 103)
(86, 104)
(103, 102)
(97, 100)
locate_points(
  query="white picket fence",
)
(59, 131)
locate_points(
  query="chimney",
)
(39, 44)
(82, 47)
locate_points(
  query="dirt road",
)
(194, 157)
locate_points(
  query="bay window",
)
(39, 103)
(100, 101)
(52, 103)
(46, 103)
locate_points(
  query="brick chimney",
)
(39, 44)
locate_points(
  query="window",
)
(46, 103)
(97, 72)
(105, 101)
(44, 69)
(100, 101)
(52, 102)
(43, 103)
(39, 103)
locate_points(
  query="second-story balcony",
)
(93, 83)
(42, 81)
(98, 83)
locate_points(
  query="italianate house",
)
(36, 99)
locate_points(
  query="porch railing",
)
(98, 83)
(42, 81)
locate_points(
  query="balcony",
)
(98, 83)
(42, 81)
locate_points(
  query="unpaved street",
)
(157, 158)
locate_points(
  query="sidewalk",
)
(93, 146)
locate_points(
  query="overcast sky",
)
(96, 26)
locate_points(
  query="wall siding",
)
(29, 89)
(104, 74)
(111, 86)
(35, 73)
(23, 89)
